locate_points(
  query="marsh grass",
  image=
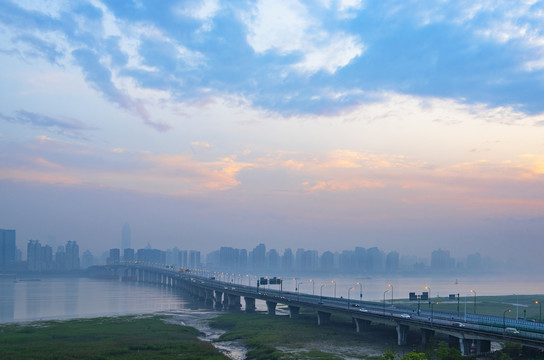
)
(126, 337)
(265, 335)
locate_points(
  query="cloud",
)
(64, 126)
(101, 78)
(297, 32)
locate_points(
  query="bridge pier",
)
(323, 317)
(402, 334)
(361, 324)
(465, 346)
(208, 299)
(233, 302)
(483, 346)
(293, 311)
(426, 335)
(250, 304)
(218, 300)
(271, 307)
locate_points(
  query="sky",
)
(326, 124)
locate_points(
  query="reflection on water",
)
(61, 298)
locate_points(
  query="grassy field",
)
(279, 337)
(125, 337)
(489, 305)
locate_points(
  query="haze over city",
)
(323, 125)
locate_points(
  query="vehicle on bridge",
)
(511, 331)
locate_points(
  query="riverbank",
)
(279, 337)
(126, 337)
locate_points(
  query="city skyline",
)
(328, 124)
(41, 258)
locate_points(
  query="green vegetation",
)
(488, 305)
(279, 337)
(126, 337)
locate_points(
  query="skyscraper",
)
(72, 255)
(7, 250)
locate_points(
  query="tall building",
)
(87, 259)
(273, 260)
(392, 262)
(287, 260)
(258, 257)
(7, 250)
(34, 255)
(126, 237)
(194, 259)
(115, 257)
(441, 260)
(128, 254)
(72, 255)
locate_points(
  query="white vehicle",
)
(405, 316)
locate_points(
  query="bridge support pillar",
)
(361, 324)
(234, 302)
(271, 307)
(426, 335)
(483, 346)
(294, 311)
(209, 297)
(402, 334)
(323, 317)
(218, 301)
(250, 304)
(465, 345)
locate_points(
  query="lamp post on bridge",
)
(517, 306)
(334, 282)
(504, 318)
(472, 291)
(385, 292)
(298, 290)
(391, 286)
(313, 286)
(540, 310)
(428, 288)
(348, 294)
(321, 293)
(360, 290)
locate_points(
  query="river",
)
(49, 298)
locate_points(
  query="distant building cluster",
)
(174, 257)
(40, 258)
(359, 260)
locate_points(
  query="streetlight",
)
(348, 294)
(321, 293)
(385, 292)
(313, 286)
(360, 290)
(428, 288)
(332, 281)
(540, 312)
(504, 318)
(298, 290)
(517, 306)
(472, 291)
(391, 286)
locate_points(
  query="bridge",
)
(471, 333)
